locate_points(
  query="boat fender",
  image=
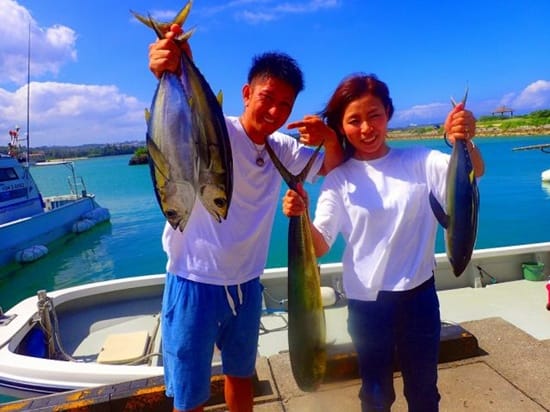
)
(31, 254)
(328, 296)
(82, 225)
(99, 214)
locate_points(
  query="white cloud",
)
(259, 11)
(421, 114)
(256, 17)
(536, 96)
(51, 47)
(60, 113)
(73, 114)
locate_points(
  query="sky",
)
(90, 82)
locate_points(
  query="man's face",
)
(268, 104)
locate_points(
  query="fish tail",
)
(290, 179)
(453, 101)
(161, 28)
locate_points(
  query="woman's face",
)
(365, 124)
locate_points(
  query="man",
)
(213, 293)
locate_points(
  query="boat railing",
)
(77, 185)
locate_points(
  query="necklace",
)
(259, 152)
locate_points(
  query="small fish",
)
(213, 148)
(462, 199)
(306, 317)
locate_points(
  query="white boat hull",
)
(88, 314)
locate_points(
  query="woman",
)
(378, 199)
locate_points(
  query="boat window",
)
(13, 194)
(7, 174)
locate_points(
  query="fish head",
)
(215, 200)
(175, 218)
(175, 200)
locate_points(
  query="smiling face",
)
(268, 102)
(365, 124)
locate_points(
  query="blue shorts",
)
(195, 316)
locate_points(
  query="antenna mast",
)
(28, 93)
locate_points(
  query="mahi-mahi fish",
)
(462, 199)
(306, 317)
(215, 162)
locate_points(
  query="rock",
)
(139, 160)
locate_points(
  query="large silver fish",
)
(462, 199)
(169, 140)
(306, 317)
(215, 174)
(172, 158)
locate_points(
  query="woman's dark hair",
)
(350, 89)
(277, 65)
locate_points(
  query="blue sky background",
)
(90, 82)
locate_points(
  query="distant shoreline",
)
(411, 134)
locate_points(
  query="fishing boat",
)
(110, 331)
(29, 221)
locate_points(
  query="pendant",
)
(260, 161)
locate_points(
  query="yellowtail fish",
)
(306, 317)
(172, 151)
(215, 162)
(462, 200)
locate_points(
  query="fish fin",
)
(182, 14)
(438, 211)
(161, 28)
(305, 171)
(141, 18)
(472, 176)
(186, 35)
(158, 159)
(291, 180)
(219, 98)
(453, 101)
(288, 177)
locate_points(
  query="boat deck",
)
(509, 370)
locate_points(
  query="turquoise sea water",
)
(515, 209)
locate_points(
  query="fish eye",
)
(220, 202)
(171, 214)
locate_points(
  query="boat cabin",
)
(19, 195)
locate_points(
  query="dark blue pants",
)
(403, 326)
